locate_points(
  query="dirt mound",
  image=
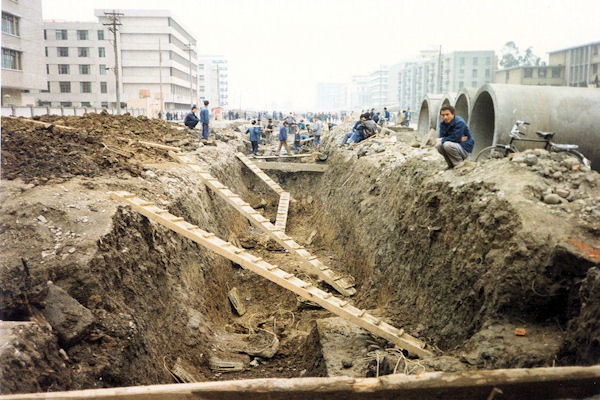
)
(97, 145)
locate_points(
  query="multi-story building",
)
(378, 87)
(359, 95)
(170, 73)
(23, 72)
(79, 62)
(213, 80)
(553, 75)
(443, 73)
(581, 64)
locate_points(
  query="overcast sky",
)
(278, 50)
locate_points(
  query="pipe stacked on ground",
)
(463, 102)
(428, 114)
(572, 113)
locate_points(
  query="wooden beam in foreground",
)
(534, 383)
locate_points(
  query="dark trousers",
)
(205, 131)
(254, 146)
(191, 124)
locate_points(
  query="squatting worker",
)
(190, 119)
(204, 119)
(455, 142)
(283, 131)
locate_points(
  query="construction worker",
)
(205, 119)
(283, 132)
(316, 130)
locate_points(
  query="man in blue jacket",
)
(190, 119)
(455, 142)
(204, 119)
(255, 132)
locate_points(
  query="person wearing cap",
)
(190, 119)
(283, 131)
(204, 119)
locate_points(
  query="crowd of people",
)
(455, 142)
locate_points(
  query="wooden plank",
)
(518, 383)
(278, 276)
(313, 155)
(282, 211)
(292, 167)
(159, 146)
(310, 265)
(264, 177)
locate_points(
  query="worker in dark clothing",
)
(455, 142)
(190, 119)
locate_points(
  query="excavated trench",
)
(459, 259)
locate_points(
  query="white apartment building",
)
(79, 63)
(378, 88)
(23, 72)
(444, 73)
(213, 80)
(143, 67)
(359, 95)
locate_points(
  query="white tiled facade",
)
(79, 62)
(213, 80)
(23, 72)
(139, 60)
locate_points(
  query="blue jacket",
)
(356, 124)
(190, 117)
(454, 131)
(204, 118)
(387, 114)
(255, 132)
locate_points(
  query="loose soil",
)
(458, 258)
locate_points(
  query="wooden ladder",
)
(311, 264)
(260, 173)
(282, 211)
(273, 273)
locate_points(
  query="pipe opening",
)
(462, 107)
(482, 122)
(424, 118)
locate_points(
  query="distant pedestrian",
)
(407, 117)
(283, 132)
(316, 129)
(255, 132)
(205, 120)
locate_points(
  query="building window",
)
(488, 61)
(66, 104)
(86, 104)
(46, 51)
(61, 34)
(47, 69)
(507, 76)
(45, 35)
(474, 73)
(541, 72)
(83, 51)
(84, 69)
(10, 24)
(65, 87)
(201, 66)
(556, 72)
(47, 90)
(11, 59)
(62, 51)
(101, 52)
(82, 35)
(104, 104)
(528, 72)
(474, 84)
(461, 71)
(102, 69)
(103, 87)
(63, 69)
(475, 61)
(487, 74)
(462, 61)
(86, 87)
(100, 35)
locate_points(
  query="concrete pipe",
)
(572, 113)
(447, 100)
(463, 102)
(428, 113)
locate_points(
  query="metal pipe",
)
(463, 101)
(428, 113)
(572, 113)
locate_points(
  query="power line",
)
(113, 25)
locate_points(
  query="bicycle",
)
(504, 150)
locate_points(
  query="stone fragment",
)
(42, 219)
(531, 160)
(552, 198)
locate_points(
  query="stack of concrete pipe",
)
(572, 113)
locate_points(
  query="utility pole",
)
(113, 17)
(218, 87)
(162, 110)
(440, 70)
(188, 48)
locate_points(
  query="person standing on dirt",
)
(316, 130)
(283, 131)
(455, 142)
(190, 119)
(407, 117)
(254, 132)
(205, 119)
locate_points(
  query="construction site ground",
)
(493, 265)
